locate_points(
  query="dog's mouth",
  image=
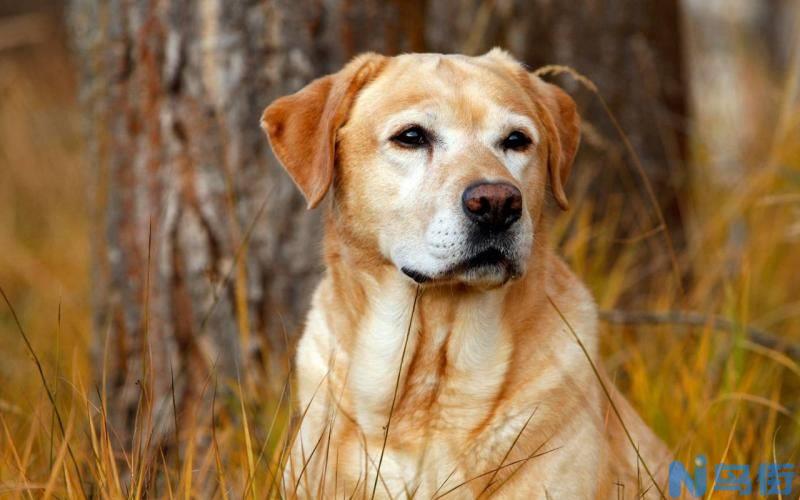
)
(488, 257)
(489, 262)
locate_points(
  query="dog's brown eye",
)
(412, 137)
(516, 140)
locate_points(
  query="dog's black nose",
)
(494, 206)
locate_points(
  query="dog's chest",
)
(440, 368)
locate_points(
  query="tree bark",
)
(204, 256)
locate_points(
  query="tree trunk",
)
(204, 256)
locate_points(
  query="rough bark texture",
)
(204, 254)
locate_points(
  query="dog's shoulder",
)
(561, 281)
(568, 299)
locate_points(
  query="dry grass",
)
(703, 390)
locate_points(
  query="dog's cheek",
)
(359, 197)
(535, 186)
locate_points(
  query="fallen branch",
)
(688, 318)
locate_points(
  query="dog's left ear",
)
(563, 126)
(302, 127)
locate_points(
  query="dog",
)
(448, 350)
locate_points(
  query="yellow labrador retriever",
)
(444, 351)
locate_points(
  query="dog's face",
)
(439, 163)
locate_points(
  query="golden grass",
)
(704, 391)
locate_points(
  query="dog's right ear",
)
(562, 123)
(302, 127)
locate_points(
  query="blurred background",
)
(160, 261)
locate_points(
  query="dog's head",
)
(439, 162)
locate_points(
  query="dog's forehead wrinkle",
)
(446, 72)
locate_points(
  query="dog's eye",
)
(516, 140)
(412, 137)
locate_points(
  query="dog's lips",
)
(484, 260)
(416, 275)
(489, 257)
